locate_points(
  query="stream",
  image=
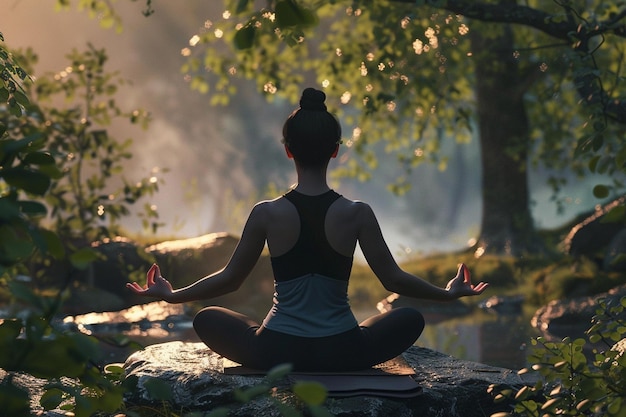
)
(481, 336)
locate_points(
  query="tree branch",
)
(574, 30)
(547, 23)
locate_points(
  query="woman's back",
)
(283, 225)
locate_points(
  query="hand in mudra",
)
(156, 285)
(461, 285)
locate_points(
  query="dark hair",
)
(311, 133)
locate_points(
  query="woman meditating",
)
(311, 233)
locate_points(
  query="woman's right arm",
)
(222, 282)
(395, 279)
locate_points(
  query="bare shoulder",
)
(354, 207)
(278, 203)
(353, 211)
(271, 209)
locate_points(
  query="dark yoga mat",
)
(393, 378)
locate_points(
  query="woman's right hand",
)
(156, 286)
(461, 285)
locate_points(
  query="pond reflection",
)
(482, 337)
(493, 339)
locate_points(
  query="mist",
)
(219, 160)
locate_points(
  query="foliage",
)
(80, 174)
(310, 397)
(406, 74)
(65, 359)
(45, 151)
(566, 277)
(103, 10)
(12, 77)
(25, 167)
(86, 198)
(570, 383)
(397, 73)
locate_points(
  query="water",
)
(493, 339)
(497, 340)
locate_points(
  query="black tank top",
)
(312, 254)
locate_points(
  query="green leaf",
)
(30, 181)
(289, 13)
(247, 395)
(51, 399)
(21, 98)
(9, 209)
(14, 146)
(32, 208)
(244, 38)
(24, 293)
(53, 244)
(51, 359)
(615, 406)
(10, 330)
(39, 158)
(13, 247)
(312, 393)
(242, 5)
(597, 141)
(601, 191)
(595, 338)
(14, 401)
(158, 389)
(279, 372)
(14, 107)
(83, 257)
(52, 171)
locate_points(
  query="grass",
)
(541, 278)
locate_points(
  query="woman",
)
(311, 233)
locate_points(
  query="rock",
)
(592, 235)
(102, 286)
(452, 387)
(186, 260)
(503, 305)
(572, 317)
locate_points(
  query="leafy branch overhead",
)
(584, 32)
(536, 84)
(13, 76)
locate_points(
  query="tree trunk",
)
(507, 224)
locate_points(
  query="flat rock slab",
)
(195, 381)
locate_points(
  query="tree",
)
(546, 79)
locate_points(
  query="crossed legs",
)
(243, 340)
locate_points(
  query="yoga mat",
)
(393, 378)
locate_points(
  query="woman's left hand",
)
(156, 285)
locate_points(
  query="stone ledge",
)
(452, 387)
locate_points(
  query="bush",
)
(44, 153)
(582, 377)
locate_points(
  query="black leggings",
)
(242, 340)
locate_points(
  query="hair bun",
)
(313, 99)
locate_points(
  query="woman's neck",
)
(311, 181)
